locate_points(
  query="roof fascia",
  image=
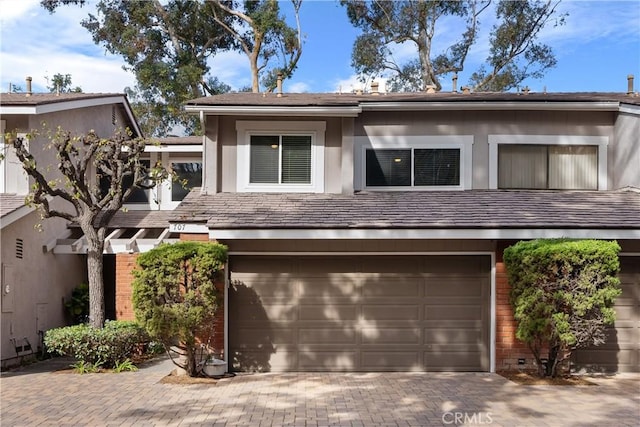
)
(630, 109)
(15, 215)
(288, 111)
(411, 234)
(491, 106)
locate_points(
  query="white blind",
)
(296, 159)
(436, 166)
(264, 159)
(573, 167)
(522, 166)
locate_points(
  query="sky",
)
(596, 49)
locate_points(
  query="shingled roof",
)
(21, 99)
(10, 203)
(352, 100)
(415, 210)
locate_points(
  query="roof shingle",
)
(438, 209)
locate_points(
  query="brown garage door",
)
(621, 352)
(365, 313)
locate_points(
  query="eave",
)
(288, 111)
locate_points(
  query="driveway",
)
(38, 395)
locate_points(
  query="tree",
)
(261, 33)
(167, 46)
(62, 83)
(174, 297)
(562, 293)
(76, 194)
(514, 55)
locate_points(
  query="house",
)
(35, 280)
(366, 231)
(41, 268)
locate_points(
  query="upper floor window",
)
(280, 159)
(548, 162)
(280, 156)
(187, 176)
(414, 163)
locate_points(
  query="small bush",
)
(101, 347)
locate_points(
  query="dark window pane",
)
(263, 167)
(188, 175)
(437, 166)
(296, 159)
(388, 168)
(138, 195)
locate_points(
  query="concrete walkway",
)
(38, 395)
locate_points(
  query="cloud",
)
(296, 87)
(38, 44)
(352, 83)
(12, 10)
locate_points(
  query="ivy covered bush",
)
(562, 294)
(105, 347)
(175, 298)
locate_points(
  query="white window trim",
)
(600, 141)
(247, 128)
(166, 203)
(462, 142)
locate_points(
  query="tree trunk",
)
(95, 243)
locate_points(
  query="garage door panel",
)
(406, 287)
(391, 360)
(378, 314)
(458, 335)
(621, 351)
(458, 360)
(453, 312)
(333, 360)
(331, 312)
(391, 312)
(257, 337)
(391, 335)
(327, 335)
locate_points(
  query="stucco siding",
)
(38, 282)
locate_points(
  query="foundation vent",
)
(19, 248)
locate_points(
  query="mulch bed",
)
(528, 378)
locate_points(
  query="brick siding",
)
(126, 263)
(508, 348)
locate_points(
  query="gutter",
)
(270, 110)
(492, 106)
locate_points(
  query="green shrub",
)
(78, 305)
(562, 294)
(101, 347)
(174, 296)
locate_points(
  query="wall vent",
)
(113, 115)
(19, 248)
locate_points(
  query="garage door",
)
(621, 352)
(365, 313)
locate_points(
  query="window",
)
(413, 167)
(542, 162)
(138, 195)
(560, 167)
(279, 159)
(280, 156)
(415, 162)
(188, 176)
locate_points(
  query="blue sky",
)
(596, 49)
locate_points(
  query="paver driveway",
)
(37, 396)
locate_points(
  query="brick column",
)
(508, 348)
(125, 263)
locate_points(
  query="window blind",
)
(436, 166)
(264, 159)
(296, 159)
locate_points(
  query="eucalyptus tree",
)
(167, 45)
(262, 33)
(515, 52)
